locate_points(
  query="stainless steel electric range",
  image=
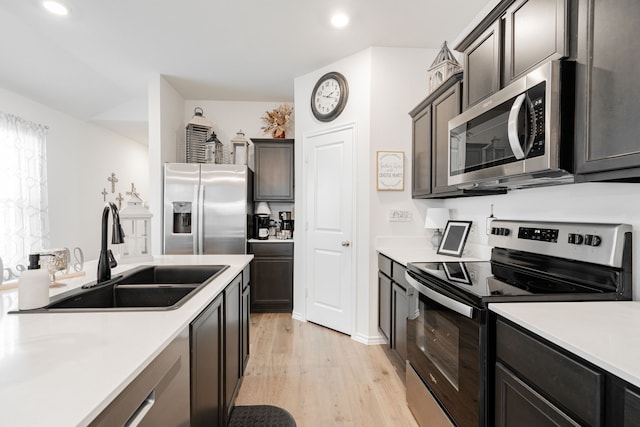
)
(448, 341)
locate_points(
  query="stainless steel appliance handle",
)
(444, 300)
(198, 242)
(512, 127)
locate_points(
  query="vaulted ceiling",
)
(97, 60)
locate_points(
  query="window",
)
(24, 218)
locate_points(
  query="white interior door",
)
(330, 284)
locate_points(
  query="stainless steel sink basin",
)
(147, 288)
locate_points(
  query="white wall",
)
(80, 157)
(384, 85)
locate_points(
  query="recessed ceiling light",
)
(56, 8)
(339, 20)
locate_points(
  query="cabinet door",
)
(631, 408)
(246, 308)
(607, 125)
(232, 340)
(446, 107)
(517, 404)
(400, 304)
(384, 306)
(482, 66)
(273, 170)
(206, 366)
(421, 156)
(535, 31)
(272, 284)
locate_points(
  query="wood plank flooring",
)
(323, 378)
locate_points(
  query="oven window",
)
(438, 339)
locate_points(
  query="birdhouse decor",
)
(198, 131)
(443, 67)
(135, 220)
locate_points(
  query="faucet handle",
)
(112, 260)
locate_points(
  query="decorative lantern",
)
(240, 148)
(198, 130)
(135, 220)
(443, 67)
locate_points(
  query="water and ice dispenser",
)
(182, 217)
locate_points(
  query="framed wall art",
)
(390, 170)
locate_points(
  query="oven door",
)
(443, 347)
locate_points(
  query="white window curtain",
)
(24, 218)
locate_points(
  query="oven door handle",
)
(450, 303)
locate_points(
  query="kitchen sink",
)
(146, 288)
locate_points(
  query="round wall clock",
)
(329, 96)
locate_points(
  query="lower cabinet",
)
(219, 353)
(272, 277)
(393, 304)
(246, 313)
(158, 396)
(207, 366)
(546, 385)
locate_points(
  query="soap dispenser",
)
(33, 285)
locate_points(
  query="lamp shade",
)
(437, 218)
(263, 208)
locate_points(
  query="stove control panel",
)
(589, 242)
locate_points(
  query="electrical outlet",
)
(399, 215)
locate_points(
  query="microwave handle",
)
(512, 127)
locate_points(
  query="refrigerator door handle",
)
(200, 227)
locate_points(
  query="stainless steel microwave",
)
(520, 136)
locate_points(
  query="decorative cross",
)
(112, 179)
(104, 194)
(133, 191)
(119, 199)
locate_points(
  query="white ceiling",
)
(95, 63)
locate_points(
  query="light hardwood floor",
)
(323, 378)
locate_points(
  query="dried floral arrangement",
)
(277, 120)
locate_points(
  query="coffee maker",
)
(286, 224)
(261, 226)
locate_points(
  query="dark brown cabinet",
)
(393, 304)
(514, 38)
(272, 277)
(274, 173)
(607, 125)
(482, 66)
(537, 381)
(535, 31)
(206, 334)
(219, 339)
(431, 140)
(232, 341)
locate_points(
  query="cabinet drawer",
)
(397, 274)
(384, 264)
(271, 249)
(569, 382)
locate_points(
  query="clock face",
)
(329, 96)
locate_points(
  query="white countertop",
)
(606, 334)
(405, 254)
(63, 369)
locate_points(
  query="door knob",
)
(346, 243)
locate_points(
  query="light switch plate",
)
(399, 215)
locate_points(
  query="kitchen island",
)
(64, 369)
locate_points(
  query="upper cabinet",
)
(514, 38)
(607, 91)
(273, 179)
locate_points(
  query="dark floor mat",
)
(260, 416)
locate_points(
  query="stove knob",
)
(588, 239)
(596, 241)
(572, 239)
(506, 231)
(494, 230)
(579, 239)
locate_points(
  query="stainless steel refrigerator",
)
(207, 208)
